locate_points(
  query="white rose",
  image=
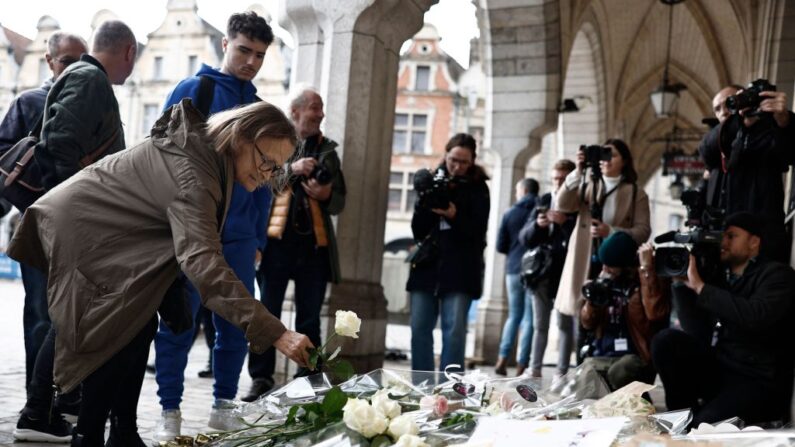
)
(385, 405)
(411, 441)
(347, 323)
(402, 425)
(360, 416)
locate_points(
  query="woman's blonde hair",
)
(246, 124)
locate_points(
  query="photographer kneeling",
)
(449, 224)
(748, 371)
(624, 309)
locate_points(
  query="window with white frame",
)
(411, 130)
(401, 192)
(422, 82)
(193, 62)
(151, 112)
(158, 68)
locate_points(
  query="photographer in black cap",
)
(748, 371)
(624, 308)
(746, 155)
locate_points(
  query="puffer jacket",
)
(114, 236)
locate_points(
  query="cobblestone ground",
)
(198, 392)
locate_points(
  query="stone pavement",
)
(197, 397)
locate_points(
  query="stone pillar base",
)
(366, 299)
(491, 318)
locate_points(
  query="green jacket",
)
(80, 115)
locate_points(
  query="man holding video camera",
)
(748, 371)
(624, 309)
(747, 153)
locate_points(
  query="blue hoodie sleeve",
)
(187, 88)
(262, 200)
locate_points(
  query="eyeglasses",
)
(266, 165)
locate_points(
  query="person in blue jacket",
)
(243, 234)
(520, 298)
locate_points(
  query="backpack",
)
(20, 176)
(536, 265)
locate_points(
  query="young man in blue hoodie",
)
(243, 236)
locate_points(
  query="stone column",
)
(523, 66)
(357, 77)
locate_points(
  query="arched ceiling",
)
(711, 46)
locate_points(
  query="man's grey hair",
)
(112, 36)
(57, 37)
(298, 95)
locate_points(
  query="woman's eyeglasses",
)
(266, 165)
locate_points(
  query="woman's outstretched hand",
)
(295, 346)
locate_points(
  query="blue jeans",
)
(35, 318)
(231, 346)
(520, 312)
(425, 309)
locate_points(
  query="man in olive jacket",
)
(81, 115)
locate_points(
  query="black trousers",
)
(113, 390)
(693, 378)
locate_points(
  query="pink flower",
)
(437, 404)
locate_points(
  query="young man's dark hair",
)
(251, 25)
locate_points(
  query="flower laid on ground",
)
(402, 425)
(411, 441)
(437, 404)
(347, 325)
(359, 415)
(385, 405)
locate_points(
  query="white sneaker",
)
(168, 427)
(224, 417)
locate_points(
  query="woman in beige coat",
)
(625, 207)
(114, 237)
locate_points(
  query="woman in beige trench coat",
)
(625, 208)
(114, 237)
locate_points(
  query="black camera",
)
(749, 97)
(321, 174)
(433, 190)
(601, 290)
(705, 230)
(595, 154)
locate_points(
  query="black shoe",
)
(40, 428)
(124, 438)
(259, 387)
(207, 373)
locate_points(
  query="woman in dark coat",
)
(447, 274)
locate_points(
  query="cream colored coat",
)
(575, 269)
